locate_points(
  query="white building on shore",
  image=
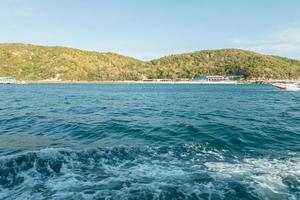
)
(216, 78)
(7, 80)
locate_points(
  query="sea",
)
(149, 141)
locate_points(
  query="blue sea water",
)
(148, 141)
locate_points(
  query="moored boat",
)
(289, 86)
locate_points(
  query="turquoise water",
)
(144, 141)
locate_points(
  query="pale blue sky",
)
(154, 28)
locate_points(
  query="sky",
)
(149, 29)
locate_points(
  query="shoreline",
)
(158, 82)
(149, 82)
(135, 82)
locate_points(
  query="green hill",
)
(31, 62)
(227, 62)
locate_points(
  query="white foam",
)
(111, 176)
(263, 175)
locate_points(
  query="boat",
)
(289, 86)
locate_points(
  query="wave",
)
(191, 171)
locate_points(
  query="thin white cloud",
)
(17, 9)
(289, 35)
(284, 43)
(24, 12)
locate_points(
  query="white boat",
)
(289, 86)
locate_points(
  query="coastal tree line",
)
(30, 62)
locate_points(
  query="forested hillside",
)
(31, 62)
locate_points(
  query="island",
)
(33, 63)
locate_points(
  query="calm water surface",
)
(149, 142)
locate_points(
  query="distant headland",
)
(60, 64)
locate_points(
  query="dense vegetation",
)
(227, 62)
(30, 62)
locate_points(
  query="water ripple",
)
(149, 142)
